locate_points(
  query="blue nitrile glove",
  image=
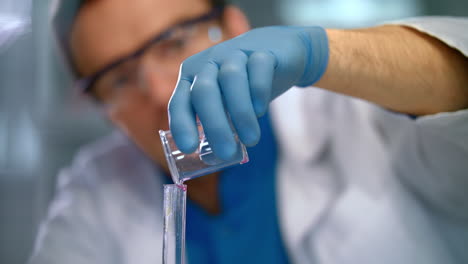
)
(240, 77)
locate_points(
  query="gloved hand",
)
(240, 77)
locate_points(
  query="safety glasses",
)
(124, 71)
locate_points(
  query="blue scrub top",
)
(247, 230)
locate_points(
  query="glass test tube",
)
(175, 198)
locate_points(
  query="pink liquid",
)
(182, 186)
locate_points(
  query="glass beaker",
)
(203, 161)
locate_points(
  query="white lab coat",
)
(356, 184)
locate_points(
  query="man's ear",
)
(235, 22)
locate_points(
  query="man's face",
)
(106, 30)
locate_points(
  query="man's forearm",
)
(398, 68)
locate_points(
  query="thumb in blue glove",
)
(239, 78)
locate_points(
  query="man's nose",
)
(158, 82)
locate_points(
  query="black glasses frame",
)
(85, 85)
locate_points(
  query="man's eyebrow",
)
(180, 20)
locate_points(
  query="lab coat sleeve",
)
(431, 153)
(453, 31)
(74, 231)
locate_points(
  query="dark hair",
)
(63, 17)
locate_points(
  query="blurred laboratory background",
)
(43, 121)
